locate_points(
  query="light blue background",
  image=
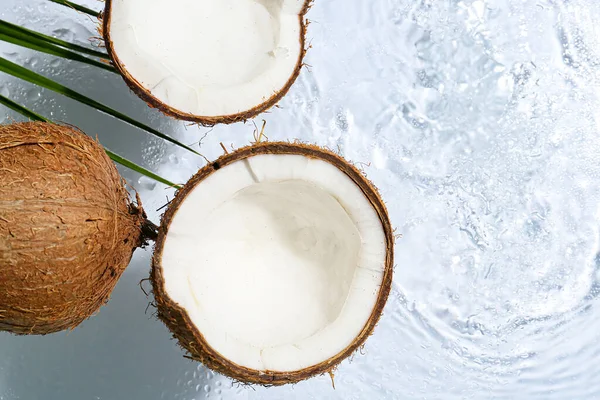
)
(478, 120)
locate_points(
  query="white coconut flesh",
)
(208, 57)
(278, 261)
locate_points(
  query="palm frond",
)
(17, 31)
(40, 80)
(77, 7)
(49, 48)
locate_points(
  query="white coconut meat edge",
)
(208, 57)
(278, 261)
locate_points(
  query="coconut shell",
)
(176, 317)
(67, 227)
(143, 93)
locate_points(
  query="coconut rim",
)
(176, 314)
(152, 101)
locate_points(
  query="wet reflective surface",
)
(478, 120)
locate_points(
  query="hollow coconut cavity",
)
(207, 61)
(67, 227)
(273, 263)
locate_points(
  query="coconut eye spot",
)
(208, 57)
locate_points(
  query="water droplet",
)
(12, 55)
(33, 94)
(341, 121)
(173, 159)
(65, 34)
(147, 183)
(207, 388)
(32, 62)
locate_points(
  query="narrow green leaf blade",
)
(49, 48)
(133, 166)
(37, 79)
(20, 32)
(77, 7)
(113, 156)
(5, 101)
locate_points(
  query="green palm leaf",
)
(77, 7)
(49, 48)
(37, 79)
(26, 34)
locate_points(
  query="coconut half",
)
(273, 263)
(207, 61)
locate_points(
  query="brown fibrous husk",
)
(143, 93)
(176, 317)
(67, 227)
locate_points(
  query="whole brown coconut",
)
(67, 227)
(290, 272)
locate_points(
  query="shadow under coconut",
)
(121, 353)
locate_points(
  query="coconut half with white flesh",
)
(273, 263)
(207, 61)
